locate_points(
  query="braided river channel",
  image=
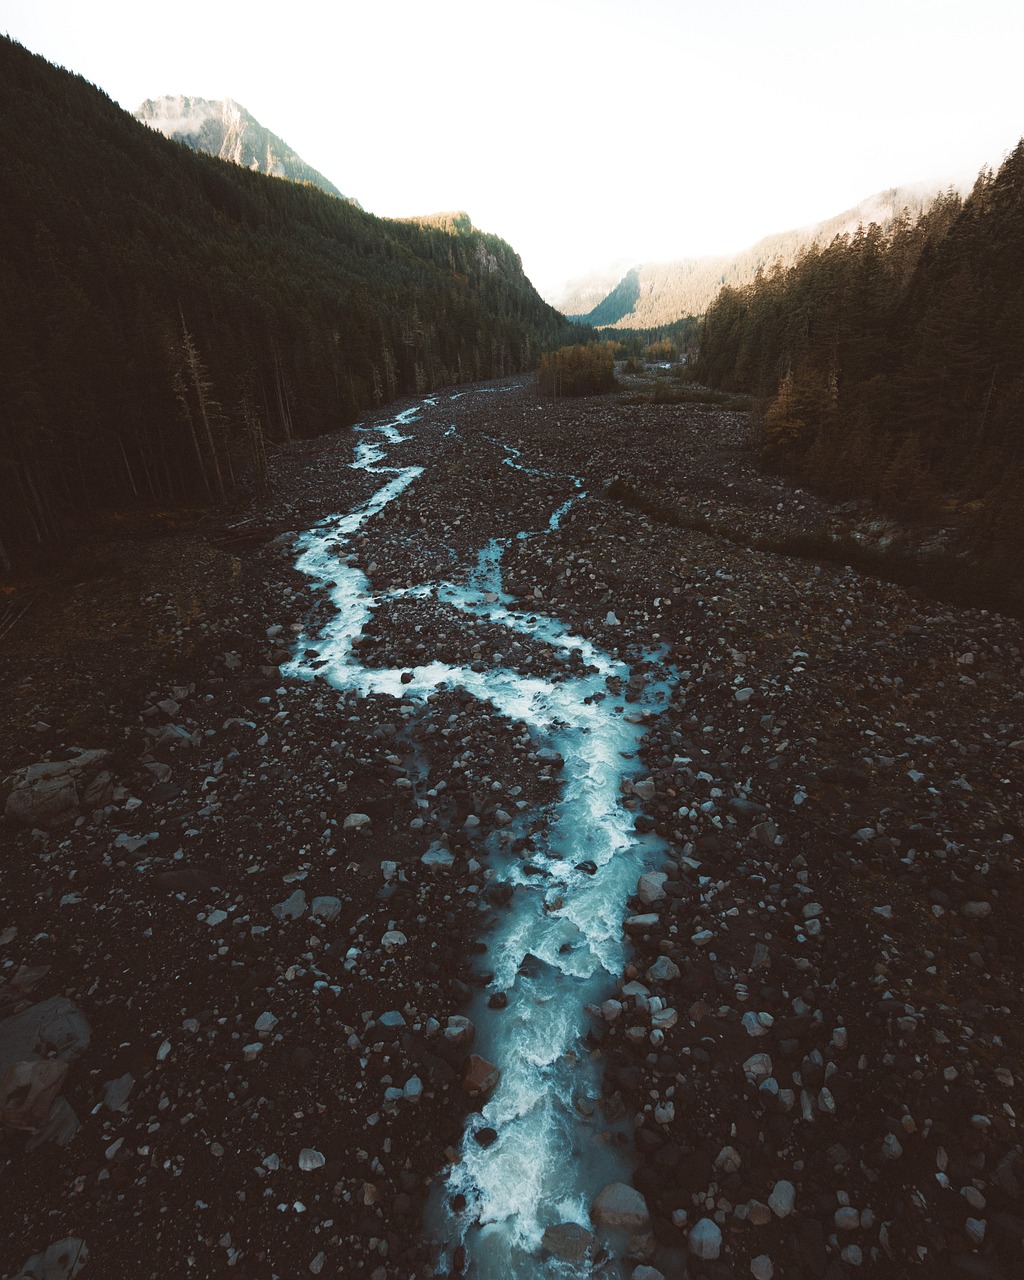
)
(558, 945)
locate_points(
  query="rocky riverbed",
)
(243, 915)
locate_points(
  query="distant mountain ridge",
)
(224, 128)
(658, 293)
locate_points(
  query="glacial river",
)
(553, 1149)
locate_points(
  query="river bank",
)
(836, 790)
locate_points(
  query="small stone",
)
(891, 1147)
(266, 1022)
(847, 1219)
(356, 822)
(758, 1067)
(310, 1160)
(706, 1240)
(761, 1267)
(974, 1229)
(326, 908)
(758, 1214)
(663, 970)
(782, 1200)
(292, 908)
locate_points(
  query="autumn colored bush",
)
(578, 370)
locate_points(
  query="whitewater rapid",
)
(553, 1149)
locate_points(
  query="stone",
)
(116, 1092)
(50, 794)
(437, 857)
(782, 1200)
(663, 970)
(292, 908)
(846, 1219)
(56, 1025)
(761, 1267)
(459, 1032)
(356, 822)
(728, 1160)
(480, 1076)
(758, 1214)
(706, 1240)
(326, 908)
(28, 1090)
(567, 1241)
(641, 923)
(310, 1160)
(620, 1205)
(60, 1261)
(266, 1022)
(758, 1067)
(651, 887)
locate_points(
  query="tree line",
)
(164, 314)
(890, 363)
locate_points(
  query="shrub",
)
(578, 371)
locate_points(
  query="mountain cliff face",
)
(658, 293)
(224, 128)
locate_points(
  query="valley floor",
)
(838, 781)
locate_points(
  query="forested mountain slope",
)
(224, 128)
(891, 362)
(657, 293)
(162, 313)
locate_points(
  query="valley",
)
(469, 842)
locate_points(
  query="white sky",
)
(582, 131)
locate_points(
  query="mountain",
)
(654, 294)
(225, 129)
(165, 315)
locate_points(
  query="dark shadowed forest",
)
(163, 314)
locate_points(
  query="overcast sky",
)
(582, 131)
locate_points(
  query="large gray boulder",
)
(53, 792)
(60, 1261)
(620, 1205)
(568, 1241)
(31, 1080)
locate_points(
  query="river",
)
(558, 946)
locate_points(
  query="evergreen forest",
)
(890, 363)
(164, 315)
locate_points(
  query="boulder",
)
(568, 1241)
(52, 792)
(706, 1240)
(27, 1092)
(620, 1205)
(481, 1076)
(61, 1261)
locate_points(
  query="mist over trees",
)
(890, 363)
(164, 314)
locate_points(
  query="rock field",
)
(241, 915)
